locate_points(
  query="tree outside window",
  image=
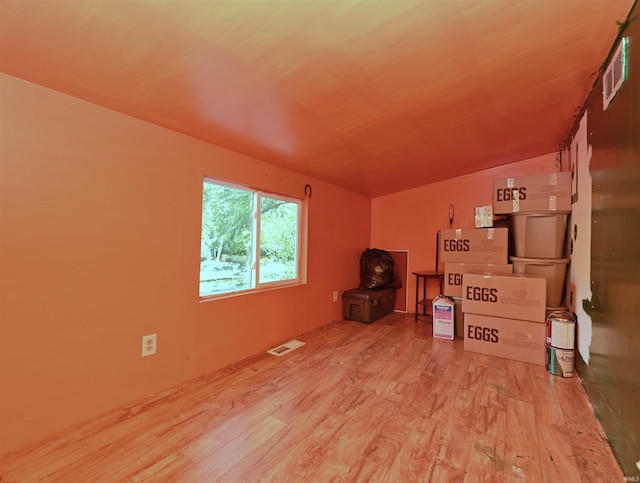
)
(250, 239)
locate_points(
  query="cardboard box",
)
(519, 340)
(458, 317)
(484, 216)
(453, 274)
(508, 296)
(543, 192)
(474, 245)
(443, 318)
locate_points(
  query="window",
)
(250, 239)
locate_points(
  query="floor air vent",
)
(285, 348)
(616, 74)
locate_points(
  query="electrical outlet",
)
(335, 295)
(149, 344)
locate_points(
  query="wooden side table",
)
(424, 276)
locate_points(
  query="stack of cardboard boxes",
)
(499, 313)
(504, 316)
(538, 208)
(471, 250)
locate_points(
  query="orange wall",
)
(409, 220)
(99, 245)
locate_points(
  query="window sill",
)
(250, 291)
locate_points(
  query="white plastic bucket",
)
(538, 235)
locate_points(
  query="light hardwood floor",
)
(382, 402)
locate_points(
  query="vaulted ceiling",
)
(376, 96)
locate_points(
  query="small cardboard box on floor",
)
(474, 245)
(453, 274)
(484, 216)
(543, 192)
(508, 296)
(514, 339)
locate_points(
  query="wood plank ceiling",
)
(376, 96)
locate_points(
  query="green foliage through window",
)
(248, 239)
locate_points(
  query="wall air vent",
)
(616, 73)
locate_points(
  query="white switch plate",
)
(335, 295)
(149, 344)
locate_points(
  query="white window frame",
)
(301, 242)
